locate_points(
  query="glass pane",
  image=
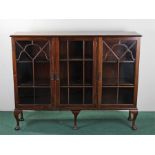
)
(42, 44)
(42, 95)
(24, 57)
(42, 73)
(25, 74)
(129, 53)
(23, 43)
(42, 57)
(20, 45)
(126, 73)
(119, 49)
(126, 96)
(110, 74)
(63, 73)
(63, 95)
(89, 49)
(88, 96)
(88, 72)
(109, 95)
(122, 50)
(76, 73)
(26, 95)
(32, 50)
(108, 53)
(63, 49)
(75, 49)
(75, 96)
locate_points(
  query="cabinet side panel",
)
(136, 72)
(14, 72)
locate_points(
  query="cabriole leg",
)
(129, 118)
(16, 115)
(134, 114)
(75, 113)
(21, 116)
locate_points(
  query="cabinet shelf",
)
(32, 61)
(33, 86)
(120, 86)
(118, 61)
(77, 86)
(76, 59)
(116, 81)
(40, 83)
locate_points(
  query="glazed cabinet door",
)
(33, 72)
(76, 71)
(119, 57)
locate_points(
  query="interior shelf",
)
(77, 86)
(76, 59)
(115, 82)
(30, 86)
(32, 61)
(118, 86)
(119, 61)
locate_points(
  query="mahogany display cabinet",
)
(76, 71)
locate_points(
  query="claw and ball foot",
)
(17, 127)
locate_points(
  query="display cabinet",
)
(76, 71)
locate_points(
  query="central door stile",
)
(52, 72)
(57, 73)
(95, 52)
(99, 70)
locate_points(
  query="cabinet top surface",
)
(77, 33)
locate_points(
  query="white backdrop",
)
(146, 93)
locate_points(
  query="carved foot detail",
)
(75, 113)
(75, 127)
(17, 128)
(134, 127)
(21, 119)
